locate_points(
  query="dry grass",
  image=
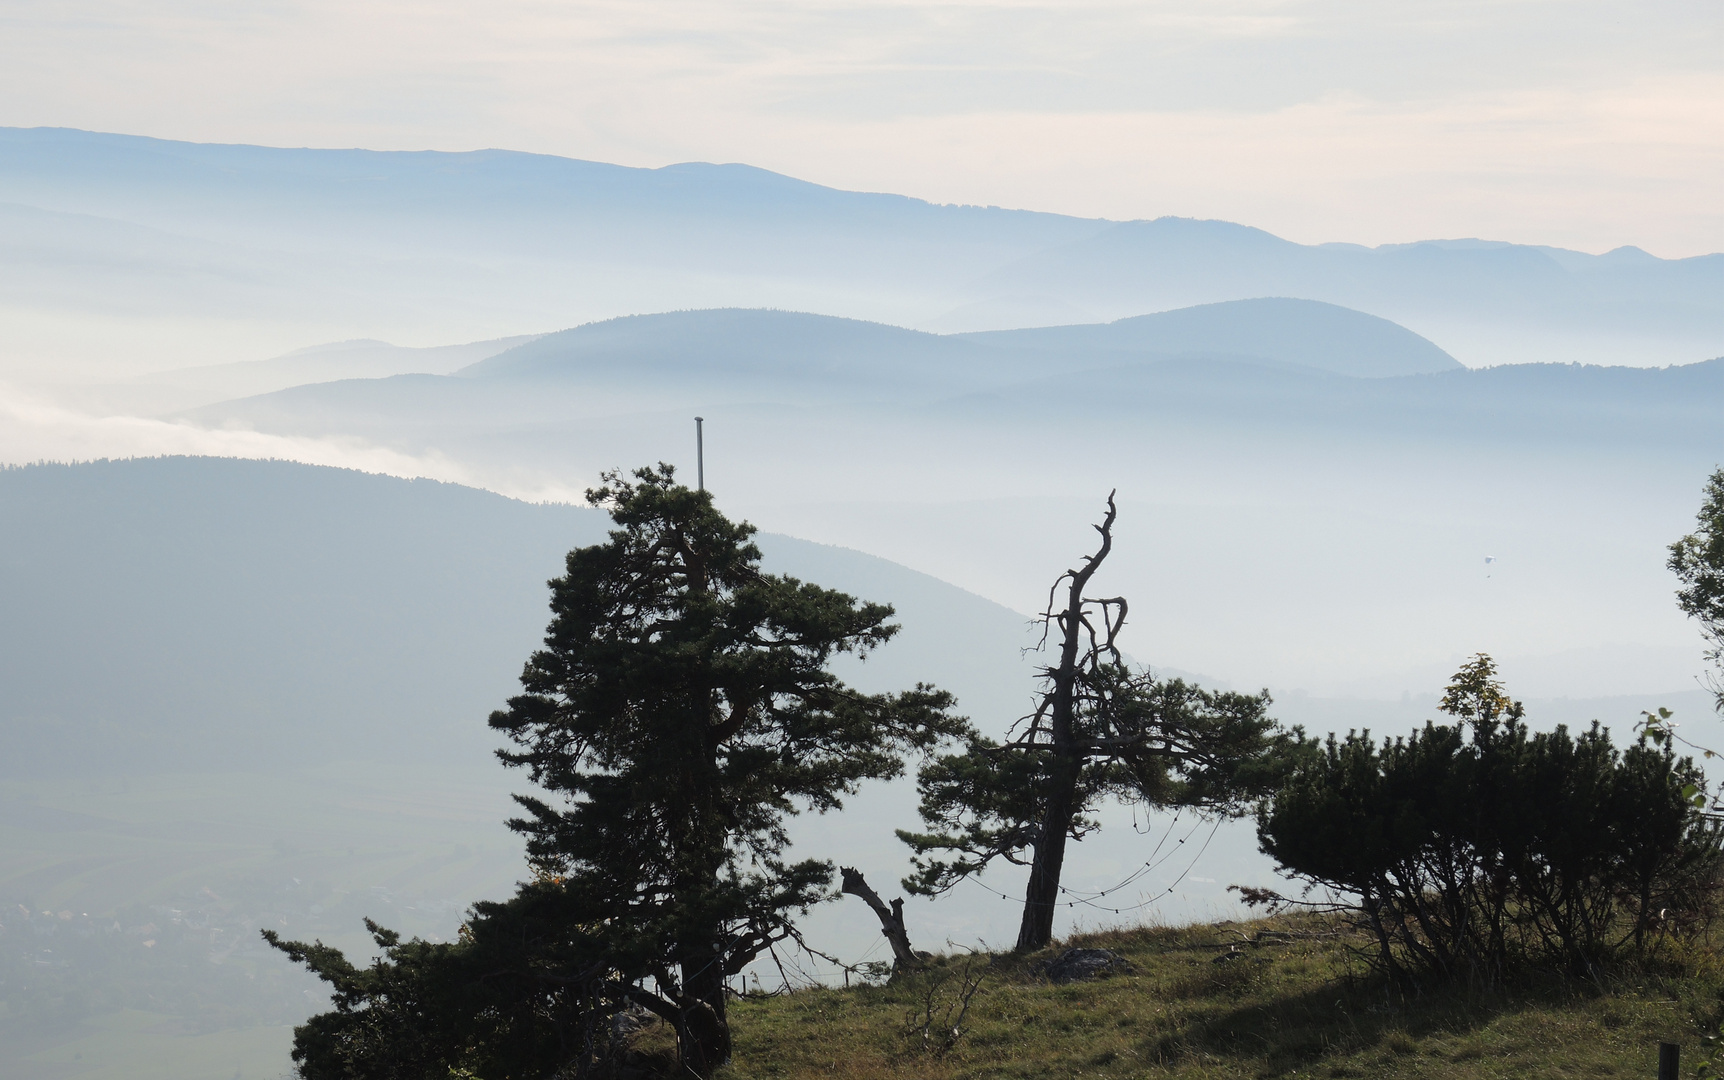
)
(1283, 1007)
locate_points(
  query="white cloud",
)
(32, 429)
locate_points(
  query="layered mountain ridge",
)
(292, 245)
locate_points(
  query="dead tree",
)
(1052, 729)
(1100, 729)
(891, 918)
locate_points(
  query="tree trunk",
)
(1060, 792)
(703, 1034)
(891, 919)
(1042, 895)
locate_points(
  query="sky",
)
(1579, 123)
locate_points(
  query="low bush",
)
(1471, 848)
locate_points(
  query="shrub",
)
(1470, 848)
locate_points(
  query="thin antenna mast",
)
(699, 453)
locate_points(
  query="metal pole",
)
(1669, 1061)
(699, 453)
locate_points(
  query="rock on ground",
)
(1081, 965)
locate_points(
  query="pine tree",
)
(680, 709)
(1698, 560)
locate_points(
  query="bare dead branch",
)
(891, 918)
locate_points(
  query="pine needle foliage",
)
(1698, 561)
(680, 710)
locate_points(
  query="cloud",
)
(32, 429)
(1322, 119)
(1569, 168)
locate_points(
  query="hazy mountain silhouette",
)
(187, 388)
(1192, 261)
(1263, 366)
(784, 355)
(791, 350)
(487, 243)
(1526, 406)
(1472, 295)
(183, 614)
(1383, 495)
(1317, 335)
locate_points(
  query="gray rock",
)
(630, 1020)
(1082, 965)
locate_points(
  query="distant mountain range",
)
(744, 348)
(778, 352)
(1305, 448)
(246, 244)
(1259, 366)
(190, 614)
(1268, 491)
(1488, 302)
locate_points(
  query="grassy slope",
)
(1300, 1008)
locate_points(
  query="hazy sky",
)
(1585, 124)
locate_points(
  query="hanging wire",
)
(1090, 900)
(1147, 866)
(1169, 889)
(869, 951)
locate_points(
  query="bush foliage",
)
(1472, 848)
